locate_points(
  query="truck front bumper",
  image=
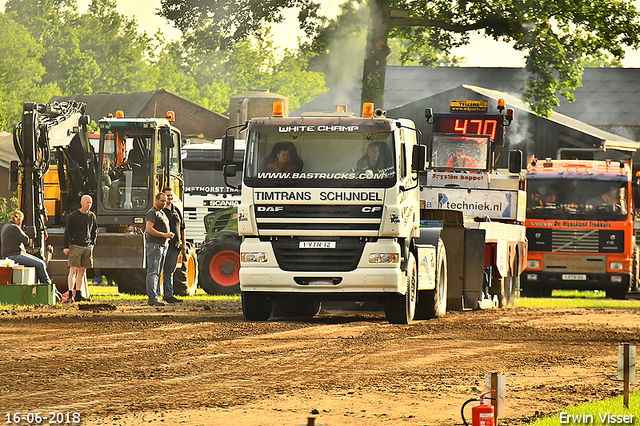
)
(267, 276)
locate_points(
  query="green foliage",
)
(102, 51)
(612, 406)
(21, 72)
(97, 51)
(568, 299)
(554, 36)
(211, 78)
(6, 208)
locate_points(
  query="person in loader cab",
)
(14, 242)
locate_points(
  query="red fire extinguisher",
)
(481, 414)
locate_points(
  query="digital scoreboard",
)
(471, 124)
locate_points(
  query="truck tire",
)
(185, 278)
(401, 309)
(433, 303)
(528, 290)
(295, 306)
(256, 306)
(132, 281)
(219, 266)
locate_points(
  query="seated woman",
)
(13, 247)
(374, 159)
(283, 159)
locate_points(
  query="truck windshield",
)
(198, 181)
(455, 152)
(127, 163)
(320, 159)
(578, 199)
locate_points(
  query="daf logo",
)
(270, 208)
(370, 209)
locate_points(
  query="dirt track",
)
(202, 364)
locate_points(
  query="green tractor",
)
(219, 256)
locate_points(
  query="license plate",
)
(575, 277)
(317, 244)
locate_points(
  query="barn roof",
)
(608, 96)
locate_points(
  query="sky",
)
(285, 34)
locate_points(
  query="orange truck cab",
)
(580, 227)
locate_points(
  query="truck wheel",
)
(256, 306)
(185, 278)
(219, 267)
(132, 281)
(528, 290)
(295, 306)
(401, 309)
(433, 303)
(617, 293)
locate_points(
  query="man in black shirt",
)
(79, 239)
(176, 246)
(157, 236)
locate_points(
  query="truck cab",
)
(330, 207)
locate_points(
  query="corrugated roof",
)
(608, 96)
(608, 140)
(7, 152)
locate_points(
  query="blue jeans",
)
(155, 262)
(29, 260)
(170, 263)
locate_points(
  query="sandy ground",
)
(124, 363)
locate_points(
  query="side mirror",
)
(515, 161)
(166, 138)
(419, 158)
(230, 170)
(228, 147)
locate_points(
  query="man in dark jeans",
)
(176, 246)
(157, 236)
(79, 240)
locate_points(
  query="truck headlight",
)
(254, 257)
(616, 266)
(533, 264)
(383, 258)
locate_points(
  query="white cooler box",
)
(24, 275)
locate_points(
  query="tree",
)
(97, 51)
(20, 72)
(211, 78)
(555, 35)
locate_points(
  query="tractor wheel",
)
(219, 267)
(132, 281)
(185, 278)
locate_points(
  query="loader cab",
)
(137, 157)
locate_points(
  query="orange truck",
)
(580, 227)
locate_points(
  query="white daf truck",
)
(331, 211)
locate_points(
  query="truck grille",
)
(576, 240)
(344, 257)
(286, 219)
